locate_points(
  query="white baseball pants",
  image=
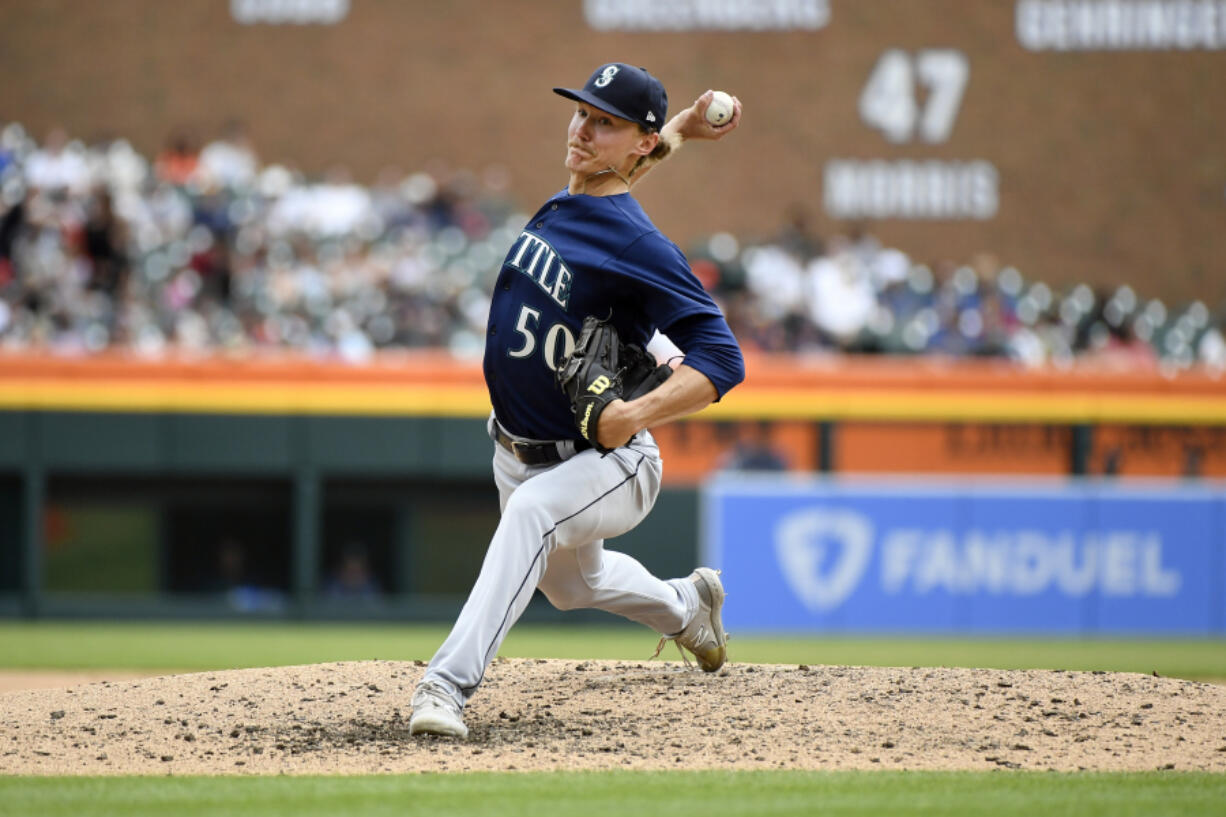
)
(551, 535)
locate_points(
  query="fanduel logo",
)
(1120, 563)
(824, 554)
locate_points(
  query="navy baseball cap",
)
(624, 91)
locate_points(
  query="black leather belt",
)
(536, 453)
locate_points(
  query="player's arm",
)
(688, 125)
(687, 391)
(712, 366)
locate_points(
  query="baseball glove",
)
(602, 369)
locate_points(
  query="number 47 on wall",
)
(889, 101)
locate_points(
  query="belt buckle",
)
(520, 450)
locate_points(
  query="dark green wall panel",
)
(458, 447)
(212, 443)
(81, 441)
(188, 443)
(14, 438)
(365, 444)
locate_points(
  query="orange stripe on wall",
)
(432, 383)
(247, 398)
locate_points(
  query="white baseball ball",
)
(720, 110)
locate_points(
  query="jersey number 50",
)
(528, 325)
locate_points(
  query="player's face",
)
(596, 141)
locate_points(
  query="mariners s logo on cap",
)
(636, 95)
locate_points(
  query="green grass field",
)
(616, 794)
(185, 647)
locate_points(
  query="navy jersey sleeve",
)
(672, 298)
(711, 348)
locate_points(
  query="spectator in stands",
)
(352, 578)
(1116, 347)
(116, 166)
(992, 338)
(106, 244)
(1211, 348)
(236, 585)
(12, 220)
(230, 160)
(839, 296)
(211, 260)
(754, 449)
(178, 160)
(797, 237)
(8, 157)
(216, 251)
(334, 207)
(58, 168)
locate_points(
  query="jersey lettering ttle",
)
(533, 256)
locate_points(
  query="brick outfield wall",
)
(1110, 163)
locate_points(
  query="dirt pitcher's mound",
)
(537, 714)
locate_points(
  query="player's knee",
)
(565, 597)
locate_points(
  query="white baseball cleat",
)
(435, 712)
(704, 636)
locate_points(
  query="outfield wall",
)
(958, 556)
(128, 486)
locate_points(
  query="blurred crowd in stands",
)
(207, 248)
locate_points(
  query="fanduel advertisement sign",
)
(898, 557)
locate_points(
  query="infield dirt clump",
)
(548, 714)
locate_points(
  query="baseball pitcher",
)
(582, 291)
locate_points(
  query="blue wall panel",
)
(1024, 548)
(970, 557)
(1219, 595)
(1156, 563)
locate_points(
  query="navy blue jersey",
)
(592, 255)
